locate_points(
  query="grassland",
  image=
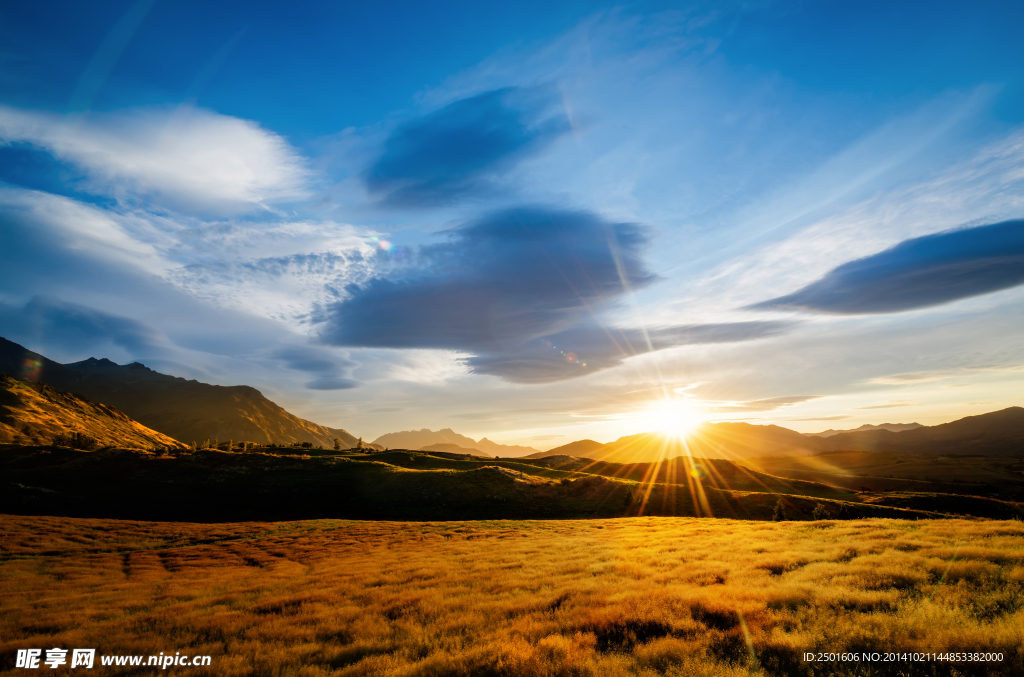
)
(212, 485)
(632, 596)
(897, 471)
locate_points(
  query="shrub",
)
(779, 515)
(820, 512)
(74, 440)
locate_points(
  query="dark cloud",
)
(74, 328)
(332, 383)
(460, 149)
(519, 290)
(329, 368)
(918, 273)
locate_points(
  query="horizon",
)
(669, 432)
(574, 222)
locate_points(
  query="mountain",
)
(710, 440)
(182, 409)
(453, 449)
(891, 427)
(577, 448)
(35, 413)
(417, 439)
(998, 433)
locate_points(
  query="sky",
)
(534, 222)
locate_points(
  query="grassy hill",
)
(183, 409)
(35, 413)
(425, 438)
(453, 449)
(211, 485)
(710, 440)
(997, 433)
(895, 471)
(577, 448)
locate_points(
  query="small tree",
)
(337, 444)
(231, 445)
(820, 512)
(779, 515)
(75, 441)
(359, 444)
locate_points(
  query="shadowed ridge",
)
(186, 410)
(997, 433)
(35, 413)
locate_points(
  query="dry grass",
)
(639, 596)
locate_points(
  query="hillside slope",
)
(453, 449)
(34, 413)
(182, 409)
(577, 448)
(891, 427)
(418, 439)
(998, 433)
(710, 440)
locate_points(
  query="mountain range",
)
(185, 410)
(998, 433)
(891, 427)
(418, 439)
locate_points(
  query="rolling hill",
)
(418, 439)
(453, 449)
(710, 440)
(891, 427)
(577, 448)
(182, 409)
(35, 413)
(998, 433)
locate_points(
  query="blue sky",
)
(537, 222)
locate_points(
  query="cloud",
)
(327, 366)
(891, 405)
(185, 159)
(918, 273)
(820, 418)
(332, 383)
(462, 148)
(589, 347)
(519, 291)
(75, 328)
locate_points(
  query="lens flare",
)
(31, 368)
(697, 472)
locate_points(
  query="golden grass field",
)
(631, 596)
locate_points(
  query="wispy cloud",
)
(890, 405)
(190, 160)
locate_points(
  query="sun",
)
(673, 418)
